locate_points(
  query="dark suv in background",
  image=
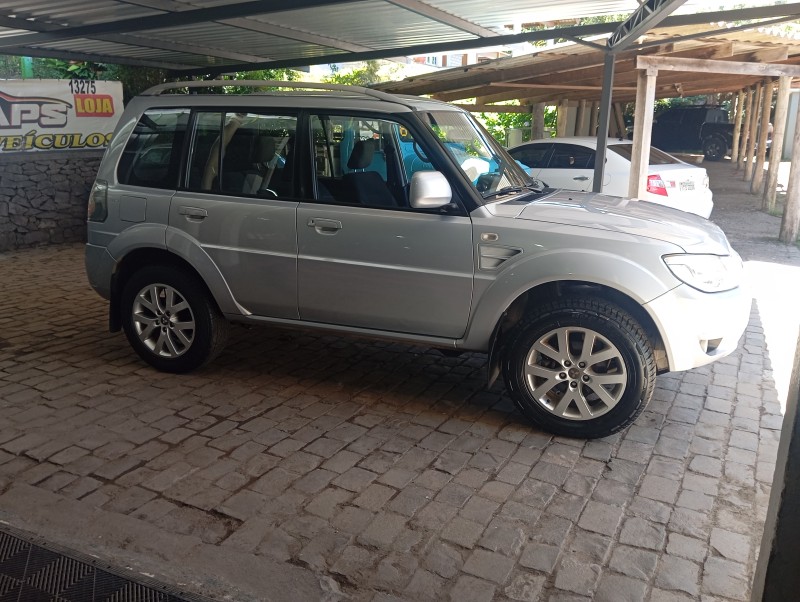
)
(702, 128)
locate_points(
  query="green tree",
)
(363, 76)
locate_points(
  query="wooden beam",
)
(593, 116)
(737, 126)
(776, 150)
(620, 120)
(790, 223)
(745, 129)
(580, 119)
(642, 133)
(751, 141)
(756, 186)
(712, 66)
(565, 86)
(561, 118)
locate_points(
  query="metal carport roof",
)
(212, 36)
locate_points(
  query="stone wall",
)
(43, 197)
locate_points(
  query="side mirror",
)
(430, 190)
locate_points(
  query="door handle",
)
(193, 212)
(324, 226)
(581, 178)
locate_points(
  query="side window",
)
(572, 156)
(243, 154)
(356, 161)
(152, 155)
(532, 155)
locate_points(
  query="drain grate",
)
(34, 571)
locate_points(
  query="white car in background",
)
(569, 163)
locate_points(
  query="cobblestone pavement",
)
(386, 470)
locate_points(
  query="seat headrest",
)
(264, 149)
(362, 154)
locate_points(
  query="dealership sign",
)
(57, 115)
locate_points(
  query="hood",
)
(638, 218)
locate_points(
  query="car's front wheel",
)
(580, 368)
(170, 319)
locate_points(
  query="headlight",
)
(707, 273)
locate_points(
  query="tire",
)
(715, 148)
(548, 378)
(170, 320)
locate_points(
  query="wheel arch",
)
(140, 257)
(519, 308)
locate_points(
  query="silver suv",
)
(354, 211)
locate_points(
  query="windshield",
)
(487, 165)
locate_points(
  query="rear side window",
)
(657, 157)
(243, 154)
(152, 156)
(532, 155)
(571, 156)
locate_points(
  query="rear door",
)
(533, 157)
(238, 204)
(571, 166)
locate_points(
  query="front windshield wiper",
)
(532, 185)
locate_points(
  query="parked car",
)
(580, 300)
(703, 128)
(569, 163)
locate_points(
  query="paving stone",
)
(732, 546)
(704, 465)
(679, 574)
(634, 562)
(642, 533)
(525, 587)
(472, 589)
(600, 518)
(588, 547)
(463, 532)
(410, 499)
(355, 479)
(503, 536)
(687, 547)
(690, 522)
(577, 577)
(616, 588)
(659, 489)
(725, 578)
(488, 565)
(424, 585)
(353, 562)
(444, 560)
(541, 557)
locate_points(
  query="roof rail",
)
(260, 83)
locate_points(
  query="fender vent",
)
(492, 256)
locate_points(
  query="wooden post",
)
(751, 141)
(593, 119)
(745, 129)
(620, 120)
(537, 121)
(642, 132)
(561, 118)
(776, 151)
(790, 224)
(580, 118)
(737, 127)
(756, 187)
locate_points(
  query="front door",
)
(571, 166)
(365, 257)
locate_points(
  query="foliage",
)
(498, 123)
(364, 76)
(261, 74)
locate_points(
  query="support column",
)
(593, 119)
(778, 135)
(642, 132)
(619, 115)
(756, 187)
(790, 224)
(751, 141)
(537, 121)
(605, 120)
(745, 129)
(580, 117)
(737, 127)
(562, 118)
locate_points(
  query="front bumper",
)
(699, 328)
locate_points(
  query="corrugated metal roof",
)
(208, 35)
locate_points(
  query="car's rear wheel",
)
(580, 368)
(714, 148)
(170, 320)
